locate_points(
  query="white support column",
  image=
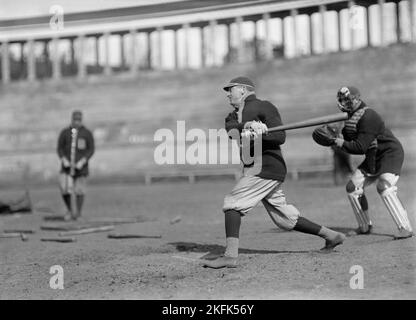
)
(203, 47)
(5, 63)
(122, 52)
(398, 22)
(31, 65)
(212, 46)
(293, 14)
(159, 63)
(311, 38)
(186, 28)
(176, 48)
(107, 66)
(81, 59)
(240, 47)
(322, 11)
(149, 50)
(283, 37)
(368, 26)
(133, 52)
(381, 19)
(412, 19)
(97, 51)
(351, 23)
(267, 37)
(56, 63)
(255, 42)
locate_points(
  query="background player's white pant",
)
(250, 190)
(386, 187)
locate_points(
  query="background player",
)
(365, 133)
(84, 151)
(256, 116)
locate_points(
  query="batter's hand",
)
(65, 162)
(339, 142)
(257, 126)
(248, 133)
(81, 163)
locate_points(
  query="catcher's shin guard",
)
(354, 196)
(394, 206)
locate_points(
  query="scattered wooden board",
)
(14, 235)
(132, 236)
(85, 231)
(71, 226)
(59, 239)
(19, 231)
(93, 223)
(121, 220)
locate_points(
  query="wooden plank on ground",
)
(132, 236)
(85, 231)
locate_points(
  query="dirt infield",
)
(273, 264)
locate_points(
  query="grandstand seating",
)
(125, 112)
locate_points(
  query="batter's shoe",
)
(336, 241)
(221, 262)
(67, 216)
(403, 234)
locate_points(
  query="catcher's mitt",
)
(325, 136)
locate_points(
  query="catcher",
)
(365, 133)
(251, 117)
(84, 149)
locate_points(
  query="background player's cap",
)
(76, 114)
(239, 81)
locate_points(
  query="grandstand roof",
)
(163, 14)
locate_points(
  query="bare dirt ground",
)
(274, 264)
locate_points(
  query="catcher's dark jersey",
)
(84, 148)
(389, 154)
(273, 164)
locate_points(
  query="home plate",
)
(191, 257)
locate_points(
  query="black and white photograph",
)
(225, 152)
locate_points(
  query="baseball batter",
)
(365, 133)
(84, 149)
(252, 116)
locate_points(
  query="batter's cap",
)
(351, 89)
(239, 81)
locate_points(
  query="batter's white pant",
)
(250, 190)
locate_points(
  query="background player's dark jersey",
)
(84, 149)
(389, 155)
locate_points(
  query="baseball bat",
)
(74, 134)
(311, 122)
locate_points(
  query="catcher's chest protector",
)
(350, 129)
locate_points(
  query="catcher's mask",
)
(348, 99)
